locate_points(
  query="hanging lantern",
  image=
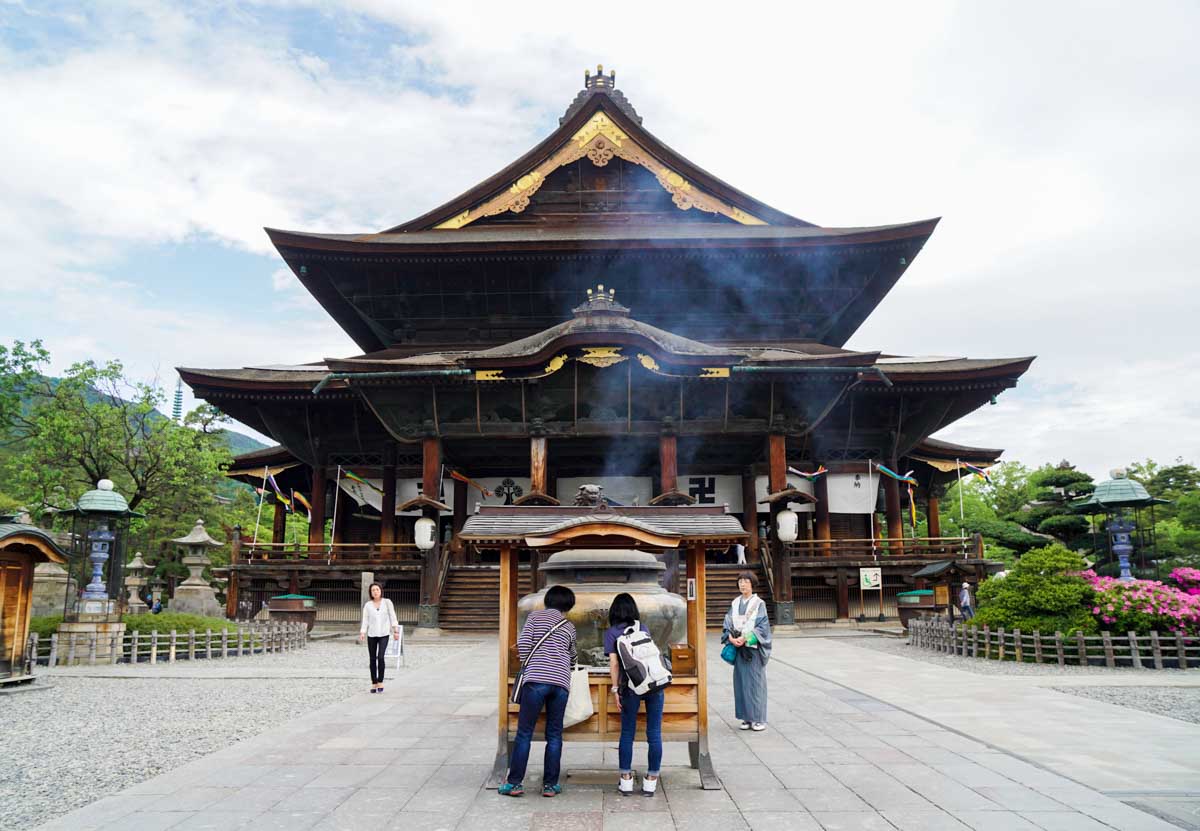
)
(786, 525)
(425, 533)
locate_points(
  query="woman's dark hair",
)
(623, 610)
(561, 598)
(372, 586)
(748, 575)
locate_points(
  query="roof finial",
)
(599, 80)
(599, 300)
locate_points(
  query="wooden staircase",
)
(721, 588)
(471, 597)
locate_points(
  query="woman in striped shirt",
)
(546, 683)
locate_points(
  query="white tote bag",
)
(579, 704)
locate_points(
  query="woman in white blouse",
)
(378, 620)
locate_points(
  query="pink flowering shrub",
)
(1188, 579)
(1143, 606)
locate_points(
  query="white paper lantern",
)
(786, 525)
(425, 533)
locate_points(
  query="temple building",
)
(602, 311)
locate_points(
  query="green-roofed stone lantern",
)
(1116, 498)
(99, 532)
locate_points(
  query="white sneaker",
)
(745, 725)
(625, 786)
(649, 786)
(758, 727)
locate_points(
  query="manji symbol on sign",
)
(703, 489)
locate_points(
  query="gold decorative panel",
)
(602, 356)
(600, 140)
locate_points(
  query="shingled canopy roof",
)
(657, 526)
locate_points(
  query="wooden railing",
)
(764, 552)
(918, 548)
(245, 552)
(133, 647)
(1110, 649)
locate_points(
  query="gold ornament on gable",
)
(601, 356)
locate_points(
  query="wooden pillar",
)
(507, 638)
(293, 582)
(387, 506)
(537, 465)
(535, 569)
(843, 594)
(279, 523)
(341, 519)
(231, 598)
(935, 520)
(777, 481)
(821, 513)
(431, 467)
(697, 627)
(895, 518)
(776, 462)
(461, 497)
(668, 463)
(750, 518)
(316, 527)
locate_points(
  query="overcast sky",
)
(146, 144)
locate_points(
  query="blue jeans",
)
(631, 702)
(533, 698)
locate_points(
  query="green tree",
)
(1042, 592)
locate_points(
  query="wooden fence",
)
(77, 648)
(1152, 651)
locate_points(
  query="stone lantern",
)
(194, 595)
(99, 529)
(135, 581)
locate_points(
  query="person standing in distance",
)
(378, 621)
(748, 628)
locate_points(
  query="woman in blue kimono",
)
(748, 628)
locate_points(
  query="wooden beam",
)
(278, 523)
(750, 518)
(537, 465)
(668, 463)
(316, 527)
(387, 507)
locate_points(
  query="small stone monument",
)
(134, 583)
(194, 595)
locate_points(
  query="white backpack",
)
(642, 661)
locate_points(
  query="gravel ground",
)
(88, 736)
(1181, 703)
(981, 666)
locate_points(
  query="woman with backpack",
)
(622, 618)
(546, 647)
(748, 630)
(378, 621)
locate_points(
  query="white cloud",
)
(1060, 147)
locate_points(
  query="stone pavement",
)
(418, 757)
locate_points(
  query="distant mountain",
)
(239, 443)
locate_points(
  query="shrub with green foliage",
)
(44, 626)
(1043, 591)
(166, 621)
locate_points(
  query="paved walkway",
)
(846, 750)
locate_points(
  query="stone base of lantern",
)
(785, 613)
(427, 616)
(197, 600)
(104, 629)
